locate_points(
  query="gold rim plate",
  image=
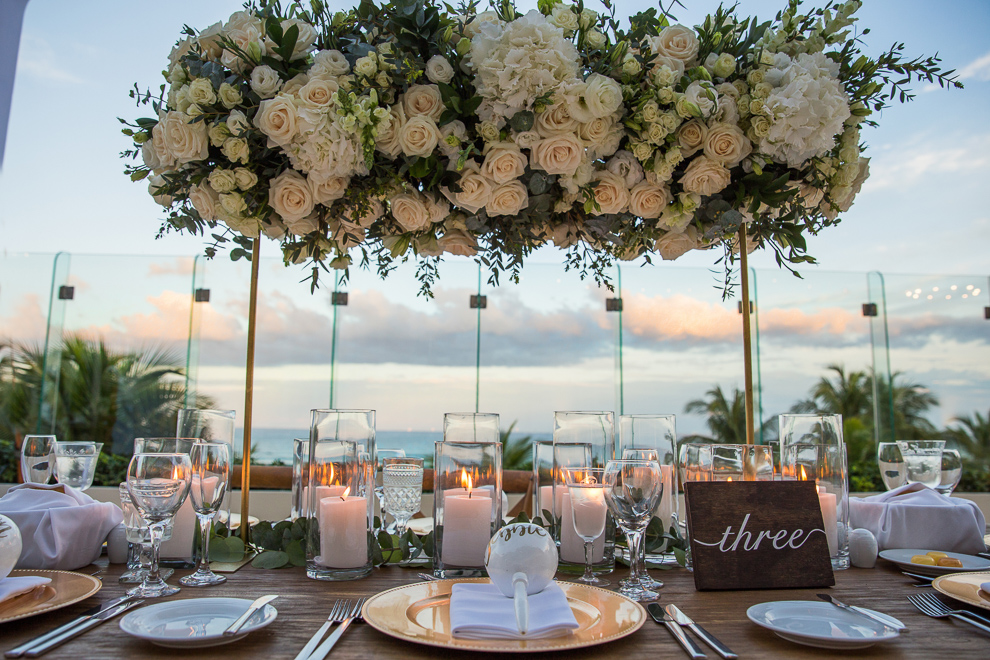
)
(965, 587)
(420, 613)
(65, 589)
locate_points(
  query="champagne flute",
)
(158, 484)
(588, 513)
(643, 577)
(891, 463)
(210, 476)
(37, 458)
(632, 490)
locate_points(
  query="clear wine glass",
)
(138, 541)
(402, 480)
(158, 484)
(37, 458)
(952, 468)
(75, 463)
(210, 476)
(643, 577)
(891, 463)
(632, 490)
(380, 485)
(588, 513)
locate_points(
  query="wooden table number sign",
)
(757, 535)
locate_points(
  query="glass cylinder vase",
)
(300, 477)
(467, 506)
(470, 427)
(339, 494)
(827, 466)
(581, 440)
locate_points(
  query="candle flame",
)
(804, 475)
(729, 479)
(469, 486)
(344, 495)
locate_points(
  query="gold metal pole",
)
(747, 334)
(249, 390)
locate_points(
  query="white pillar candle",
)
(467, 528)
(827, 502)
(180, 546)
(322, 492)
(548, 501)
(343, 532)
(668, 501)
(572, 545)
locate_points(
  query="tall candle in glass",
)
(467, 505)
(300, 478)
(339, 494)
(827, 466)
(544, 479)
(581, 439)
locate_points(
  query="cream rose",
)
(726, 144)
(180, 140)
(423, 100)
(236, 150)
(526, 139)
(563, 17)
(691, 137)
(678, 42)
(508, 199)
(702, 95)
(419, 136)
(388, 139)
(503, 162)
(318, 93)
(476, 190)
(648, 200)
(625, 165)
(705, 176)
(246, 179)
(458, 242)
(237, 123)
(555, 120)
(155, 184)
(230, 96)
(277, 119)
(410, 211)
(289, 194)
(150, 156)
(603, 95)
(673, 245)
(438, 70)
(302, 226)
(610, 193)
(205, 200)
(223, 181)
(328, 190)
(330, 63)
(201, 92)
(558, 154)
(209, 43)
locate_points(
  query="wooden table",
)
(304, 604)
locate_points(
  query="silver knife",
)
(686, 642)
(92, 622)
(858, 610)
(683, 619)
(236, 626)
(86, 616)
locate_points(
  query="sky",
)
(922, 214)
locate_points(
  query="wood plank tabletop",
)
(304, 604)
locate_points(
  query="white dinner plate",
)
(194, 622)
(819, 624)
(903, 559)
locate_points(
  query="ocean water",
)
(270, 444)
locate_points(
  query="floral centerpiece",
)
(408, 130)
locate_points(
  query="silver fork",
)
(324, 649)
(338, 613)
(933, 607)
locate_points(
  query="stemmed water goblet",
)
(588, 513)
(37, 458)
(138, 541)
(210, 476)
(402, 480)
(632, 490)
(380, 485)
(891, 464)
(158, 484)
(923, 461)
(643, 576)
(951, 471)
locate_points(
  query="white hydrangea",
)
(517, 62)
(807, 108)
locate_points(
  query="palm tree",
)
(910, 402)
(725, 420)
(972, 436)
(517, 453)
(849, 396)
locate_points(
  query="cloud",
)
(978, 69)
(903, 168)
(180, 266)
(27, 323)
(37, 58)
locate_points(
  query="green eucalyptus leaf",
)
(271, 559)
(296, 551)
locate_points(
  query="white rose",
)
(245, 178)
(476, 189)
(330, 62)
(648, 200)
(458, 242)
(209, 42)
(630, 65)
(294, 84)
(237, 123)
(673, 245)
(844, 198)
(726, 144)
(595, 131)
(488, 131)
(610, 193)
(691, 137)
(233, 204)
(705, 176)
(558, 154)
(423, 100)
(508, 199)
(472, 28)
(366, 66)
(273, 228)
(526, 139)
(304, 40)
(229, 95)
(503, 162)
(236, 150)
(410, 212)
(265, 81)
(180, 141)
(595, 39)
(318, 93)
(249, 227)
(603, 95)
(419, 136)
(201, 92)
(205, 200)
(277, 118)
(223, 181)
(289, 194)
(724, 66)
(388, 138)
(328, 190)
(438, 70)
(678, 42)
(625, 165)
(155, 183)
(703, 95)
(563, 17)
(302, 226)
(150, 156)
(555, 120)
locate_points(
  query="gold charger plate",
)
(964, 587)
(65, 589)
(420, 613)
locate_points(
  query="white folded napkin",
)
(11, 587)
(61, 527)
(915, 516)
(985, 587)
(480, 611)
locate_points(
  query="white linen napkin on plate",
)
(915, 516)
(11, 587)
(61, 527)
(480, 611)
